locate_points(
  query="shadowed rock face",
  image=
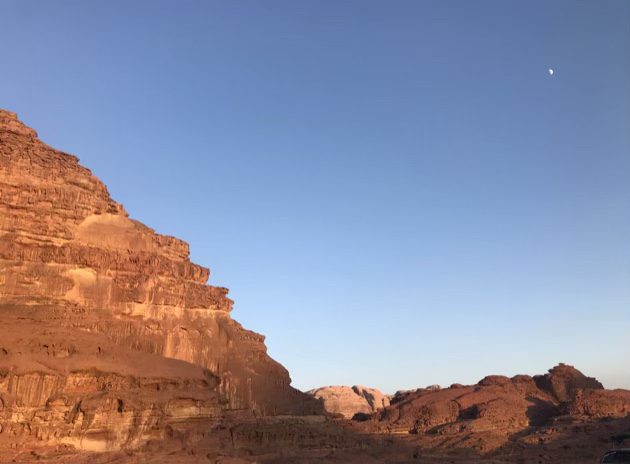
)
(96, 306)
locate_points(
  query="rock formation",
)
(484, 416)
(348, 401)
(562, 416)
(108, 331)
(563, 380)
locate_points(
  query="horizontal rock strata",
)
(109, 332)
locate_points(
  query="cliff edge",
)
(108, 330)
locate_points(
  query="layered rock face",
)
(110, 340)
(96, 305)
(58, 387)
(348, 401)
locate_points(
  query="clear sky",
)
(397, 193)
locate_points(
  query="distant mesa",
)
(349, 401)
(110, 335)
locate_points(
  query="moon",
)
(551, 72)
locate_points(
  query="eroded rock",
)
(109, 332)
(562, 380)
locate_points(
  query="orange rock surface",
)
(114, 349)
(108, 331)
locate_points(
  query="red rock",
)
(599, 403)
(498, 410)
(111, 340)
(563, 380)
(494, 380)
(108, 326)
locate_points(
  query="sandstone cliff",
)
(108, 330)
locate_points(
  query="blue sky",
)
(397, 193)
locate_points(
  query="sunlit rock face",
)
(60, 386)
(80, 282)
(349, 401)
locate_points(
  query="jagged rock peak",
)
(563, 380)
(9, 122)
